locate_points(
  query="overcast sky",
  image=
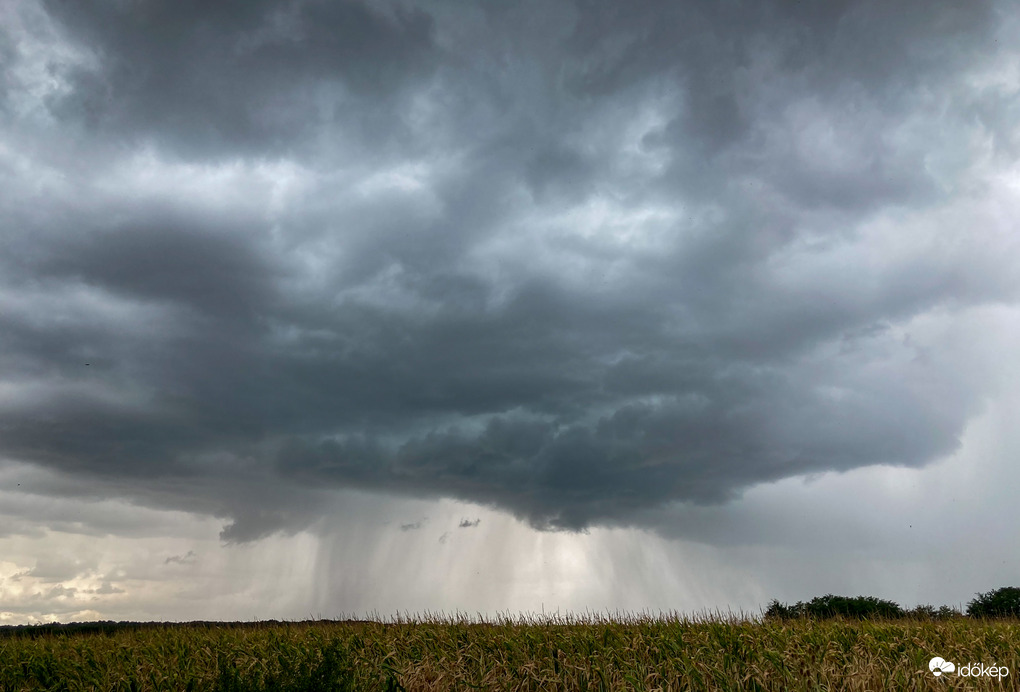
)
(317, 308)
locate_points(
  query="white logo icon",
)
(939, 665)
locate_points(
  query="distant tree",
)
(856, 607)
(830, 606)
(781, 611)
(930, 612)
(1002, 602)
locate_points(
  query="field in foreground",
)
(664, 654)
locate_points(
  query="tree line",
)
(1003, 602)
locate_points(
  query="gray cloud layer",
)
(568, 259)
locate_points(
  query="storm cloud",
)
(570, 260)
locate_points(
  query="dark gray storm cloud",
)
(571, 260)
(251, 76)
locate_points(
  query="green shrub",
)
(782, 611)
(930, 612)
(830, 606)
(1002, 602)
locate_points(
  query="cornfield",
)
(590, 653)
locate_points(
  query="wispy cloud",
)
(187, 559)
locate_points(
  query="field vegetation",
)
(591, 653)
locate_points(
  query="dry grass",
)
(515, 654)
